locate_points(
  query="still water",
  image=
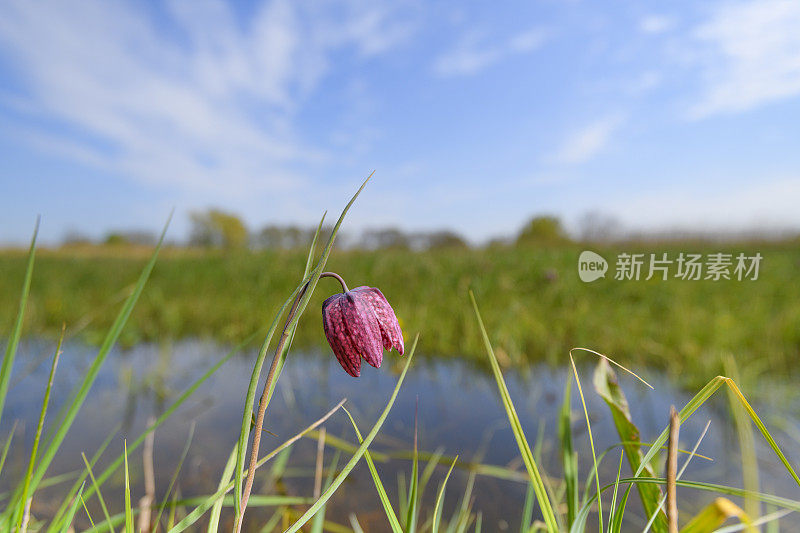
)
(459, 410)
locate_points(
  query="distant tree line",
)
(215, 228)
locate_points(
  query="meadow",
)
(498, 307)
(536, 307)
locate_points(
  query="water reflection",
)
(459, 410)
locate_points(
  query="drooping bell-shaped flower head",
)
(360, 323)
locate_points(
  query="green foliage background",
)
(534, 305)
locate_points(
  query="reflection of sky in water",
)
(459, 408)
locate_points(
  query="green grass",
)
(676, 325)
(527, 311)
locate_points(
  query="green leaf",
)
(714, 515)
(437, 509)
(318, 525)
(309, 285)
(16, 332)
(519, 435)
(361, 450)
(99, 494)
(387, 505)
(569, 457)
(71, 512)
(605, 383)
(128, 512)
(39, 426)
(94, 368)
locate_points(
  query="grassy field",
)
(535, 308)
(535, 305)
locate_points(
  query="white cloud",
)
(752, 55)
(655, 24)
(196, 99)
(770, 204)
(472, 54)
(589, 141)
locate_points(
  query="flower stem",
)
(262, 404)
(337, 276)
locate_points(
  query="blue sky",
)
(475, 115)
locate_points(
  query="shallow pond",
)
(459, 410)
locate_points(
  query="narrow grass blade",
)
(595, 462)
(361, 449)
(171, 409)
(174, 478)
(56, 522)
(258, 500)
(116, 520)
(402, 494)
(128, 512)
(747, 443)
(613, 508)
(318, 525)
(88, 514)
(99, 494)
(387, 505)
(200, 510)
(427, 472)
(7, 445)
(413, 489)
(698, 399)
(91, 374)
(269, 527)
(770, 520)
(227, 473)
(310, 284)
(527, 509)
(680, 474)
(605, 383)
(247, 416)
(71, 511)
(463, 514)
(16, 332)
(527, 456)
(313, 248)
(40, 425)
(437, 509)
(569, 457)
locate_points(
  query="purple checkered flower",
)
(360, 323)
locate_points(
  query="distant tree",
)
(114, 239)
(75, 238)
(499, 242)
(595, 226)
(217, 228)
(274, 236)
(387, 238)
(542, 230)
(445, 239)
(142, 238)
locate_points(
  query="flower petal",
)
(362, 327)
(333, 323)
(391, 334)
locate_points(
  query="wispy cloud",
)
(207, 105)
(655, 24)
(588, 141)
(753, 55)
(473, 53)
